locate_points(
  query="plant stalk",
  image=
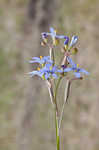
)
(57, 131)
(57, 117)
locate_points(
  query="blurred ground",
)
(26, 116)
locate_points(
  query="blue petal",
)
(66, 37)
(52, 30)
(68, 69)
(36, 58)
(33, 73)
(41, 74)
(54, 75)
(54, 69)
(53, 33)
(35, 61)
(46, 57)
(48, 66)
(77, 74)
(84, 71)
(50, 61)
(71, 62)
(60, 36)
(60, 71)
(66, 40)
(47, 75)
(45, 34)
(43, 69)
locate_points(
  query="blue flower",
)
(46, 72)
(52, 33)
(73, 41)
(44, 34)
(75, 68)
(41, 60)
(50, 71)
(54, 36)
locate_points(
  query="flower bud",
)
(55, 41)
(43, 43)
(65, 47)
(73, 41)
(66, 40)
(74, 51)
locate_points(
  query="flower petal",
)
(68, 69)
(84, 71)
(52, 30)
(71, 62)
(33, 73)
(48, 66)
(47, 75)
(36, 58)
(59, 70)
(77, 74)
(35, 61)
(55, 75)
(60, 36)
(45, 34)
(53, 33)
(54, 69)
(66, 40)
(46, 57)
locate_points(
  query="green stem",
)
(67, 91)
(55, 94)
(57, 131)
(56, 116)
(52, 55)
(57, 85)
(54, 102)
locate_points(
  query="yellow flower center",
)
(77, 65)
(55, 30)
(50, 67)
(43, 65)
(41, 57)
(38, 69)
(43, 77)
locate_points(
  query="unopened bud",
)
(73, 41)
(43, 43)
(63, 50)
(74, 51)
(45, 40)
(64, 61)
(55, 42)
(65, 47)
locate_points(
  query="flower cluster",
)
(48, 69)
